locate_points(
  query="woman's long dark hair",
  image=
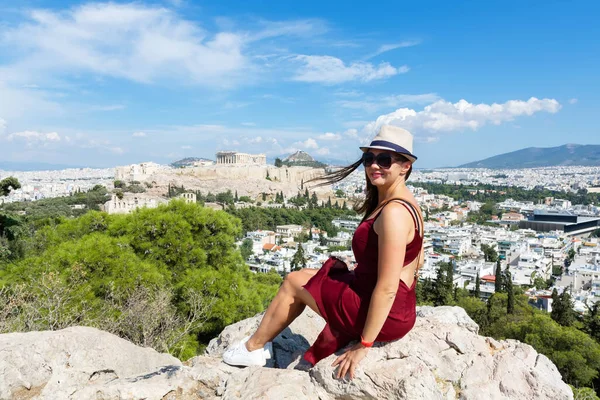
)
(371, 195)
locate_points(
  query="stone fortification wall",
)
(283, 174)
(138, 172)
(247, 180)
(234, 157)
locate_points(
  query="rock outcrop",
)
(443, 357)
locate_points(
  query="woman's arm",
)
(393, 227)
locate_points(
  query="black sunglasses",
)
(384, 160)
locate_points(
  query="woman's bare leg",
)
(288, 304)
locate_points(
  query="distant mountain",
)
(302, 159)
(188, 162)
(532, 157)
(34, 166)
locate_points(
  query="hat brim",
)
(410, 157)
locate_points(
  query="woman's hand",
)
(349, 360)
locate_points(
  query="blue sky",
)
(105, 84)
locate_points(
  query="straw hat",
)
(393, 138)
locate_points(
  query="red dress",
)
(343, 297)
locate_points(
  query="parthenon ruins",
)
(235, 158)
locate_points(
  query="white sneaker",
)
(238, 355)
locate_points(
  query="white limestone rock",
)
(443, 357)
(58, 363)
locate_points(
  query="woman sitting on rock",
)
(374, 302)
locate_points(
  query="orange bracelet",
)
(365, 343)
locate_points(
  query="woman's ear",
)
(405, 167)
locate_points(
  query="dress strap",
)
(418, 226)
(411, 210)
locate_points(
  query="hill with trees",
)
(188, 162)
(299, 159)
(533, 157)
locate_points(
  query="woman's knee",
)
(297, 279)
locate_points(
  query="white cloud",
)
(330, 136)
(573, 101)
(139, 134)
(99, 144)
(34, 136)
(323, 151)
(372, 104)
(131, 41)
(351, 133)
(232, 105)
(256, 140)
(389, 47)
(332, 70)
(248, 124)
(186, 147)
(227, 142)
(310, 144)
(2, 126)
(144, 43)
(17, 102)
(299, 28)
(443, 116)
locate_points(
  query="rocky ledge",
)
(443, 357)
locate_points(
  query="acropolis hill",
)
(247, 174)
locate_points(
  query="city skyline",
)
(106, 84)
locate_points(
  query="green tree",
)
(278, 162)
(583, 393)
(489, 253)
(246, 248)
(9, 184)
(322, 239)
(210, 198)
(100, 270)
(508, 288)
(562, 308)
(443, 285)
(477, 292)
(119, 184)
(340, 193)
(298, 260)
(314, 201)
(225, 197)
(575, 354)
(425, 292)
(591, 321)
(498, 278)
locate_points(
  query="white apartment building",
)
(131, 203)
(288, 232)
(456, 241)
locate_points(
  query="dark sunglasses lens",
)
(368, 159)
(384, 160)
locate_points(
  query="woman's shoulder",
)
(396, 209)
